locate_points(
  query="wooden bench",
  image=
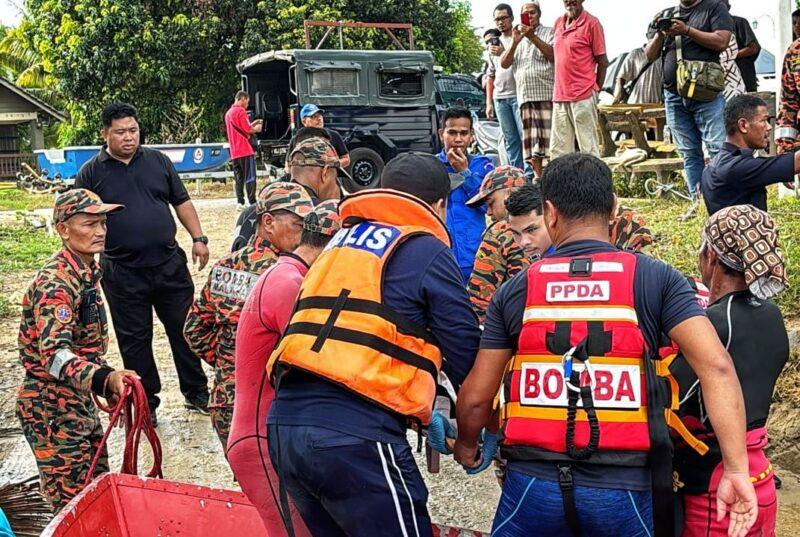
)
(633, 120)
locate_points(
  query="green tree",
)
(169, 55)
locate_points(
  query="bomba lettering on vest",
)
(367, 236)
(615, 386)
(592, 291)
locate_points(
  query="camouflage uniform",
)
(63, 337)
(788, 123)
(499, 258)
(210, 327)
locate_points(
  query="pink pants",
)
(701, 517)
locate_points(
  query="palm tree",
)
(21, 63)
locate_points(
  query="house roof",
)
(35, 101)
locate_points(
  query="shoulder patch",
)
(63, 313)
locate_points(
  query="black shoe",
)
(153, 418)
(197, 403)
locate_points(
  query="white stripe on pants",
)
(575, 121)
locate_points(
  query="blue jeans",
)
(346, 485)
(693, 124)
(531, 506)
(507, 113)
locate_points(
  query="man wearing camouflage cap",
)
(210, 327)
(63, 337)
(498, 257)
(263, 319)
(315, 165)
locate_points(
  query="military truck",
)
(382, 102)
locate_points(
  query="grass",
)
(677, 243)
(24, 248)
(14, 199)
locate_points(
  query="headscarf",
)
(746, 240)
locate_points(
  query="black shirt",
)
(143, 235)
(706, 16)
(735, 177)
(745, 37)
(663, 300)
(754, 333)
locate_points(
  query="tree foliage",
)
(164, 55)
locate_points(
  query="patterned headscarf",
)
(746, 240)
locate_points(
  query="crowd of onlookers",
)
(542, 85)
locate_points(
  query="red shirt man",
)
(262, 321)
(579, 48)
(239, 129)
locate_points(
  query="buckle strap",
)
(366, 340)
(567, 486)
(675, 423)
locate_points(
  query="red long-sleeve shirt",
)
(238, 129)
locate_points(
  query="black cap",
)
(419, 174)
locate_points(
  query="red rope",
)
(133, 408)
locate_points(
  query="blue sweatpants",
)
(346, 485)
(531, 506)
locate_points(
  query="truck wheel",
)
(366, 166)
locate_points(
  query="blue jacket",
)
(466, 225)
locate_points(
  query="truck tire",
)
(366, 166)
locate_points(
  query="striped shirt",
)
(533, 71)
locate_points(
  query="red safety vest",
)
(584, 385)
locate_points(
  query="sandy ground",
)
(192, 452)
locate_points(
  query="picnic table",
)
(635, 120)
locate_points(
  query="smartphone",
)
(526, 19)
(495, 41)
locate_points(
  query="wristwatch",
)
(201, 238)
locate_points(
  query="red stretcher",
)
(121, 505)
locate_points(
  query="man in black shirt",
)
(735, 176)
(143, 266)
(703, 29)
(311, 116)
(749, 49)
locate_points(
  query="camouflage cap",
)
(324, 219)
(314, 152)
(284, 197)
(80, 200)
(499, 178)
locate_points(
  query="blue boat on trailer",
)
(187, 158)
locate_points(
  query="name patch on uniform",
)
(598, 291)
(63, 313)
(615, 386)
(230, 283)
(367, 236)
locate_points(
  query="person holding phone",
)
(501, 89)
(465, 224)
(239, 129)
(531, 57)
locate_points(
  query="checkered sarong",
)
(536, 120)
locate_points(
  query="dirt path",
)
(192, 452)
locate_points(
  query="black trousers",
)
(244, 172)
(132, 294)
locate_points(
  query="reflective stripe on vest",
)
(342, 331)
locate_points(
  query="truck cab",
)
(382, 103)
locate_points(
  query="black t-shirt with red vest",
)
(662, 299)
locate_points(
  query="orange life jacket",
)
(584, 385)
(342, 331)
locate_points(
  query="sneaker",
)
(240, 206)
(197, 403)
(153, 418)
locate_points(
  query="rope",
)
(132, 407)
